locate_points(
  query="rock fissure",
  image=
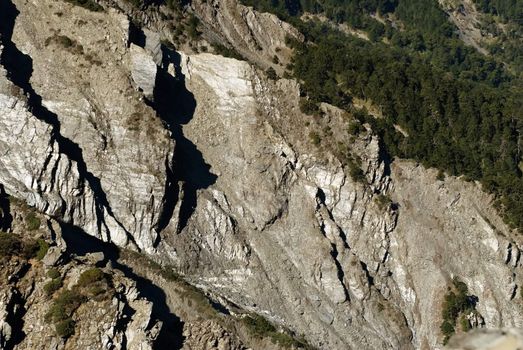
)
(15, 318)
(215, 175)
(175, 105)
(19, 71)
(341, 272)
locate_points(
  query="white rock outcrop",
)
(251, 210)
(71, 148)
(343, 270)
(258, 36)
(144, 70)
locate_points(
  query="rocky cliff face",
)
(467, 19)
(498, 339)
(115, 316)
(211, 170)
(258, 36)
(76, 106)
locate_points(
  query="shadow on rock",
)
(176, 105)
(5, 210)
(19, 67)
(171, 334)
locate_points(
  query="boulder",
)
(53, 256)
(143, 70)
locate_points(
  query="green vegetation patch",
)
(353, 12)
(309, 107)
(260, 327)
(32, 222)
(384, 201)
(14, 245)
(271, 74)
(507, 9)
(43, 247)
(65, 328)
(91, 276)
(64, 305)
(92, 284)
(9, 244)
(355, 171)
(53, 273)
(456, 125)
(53, 285)
(61, 311)
(456, 305)
(227, 51)
(315, 138)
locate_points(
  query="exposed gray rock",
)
(53, 256)
(467, 19)
(95, 258)
(143, 71)
(89, 138)
(5, 328)
(258, 36)
(286, 224)
(252, 211)
(491, 339)
(444, 231)
(153, 46)
(116, 316)
(365, 259)
(209, 335)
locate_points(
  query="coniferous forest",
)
(461, 109)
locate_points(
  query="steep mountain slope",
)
(61, 289)
(46, 294)
(87, 120)
(215, 171)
